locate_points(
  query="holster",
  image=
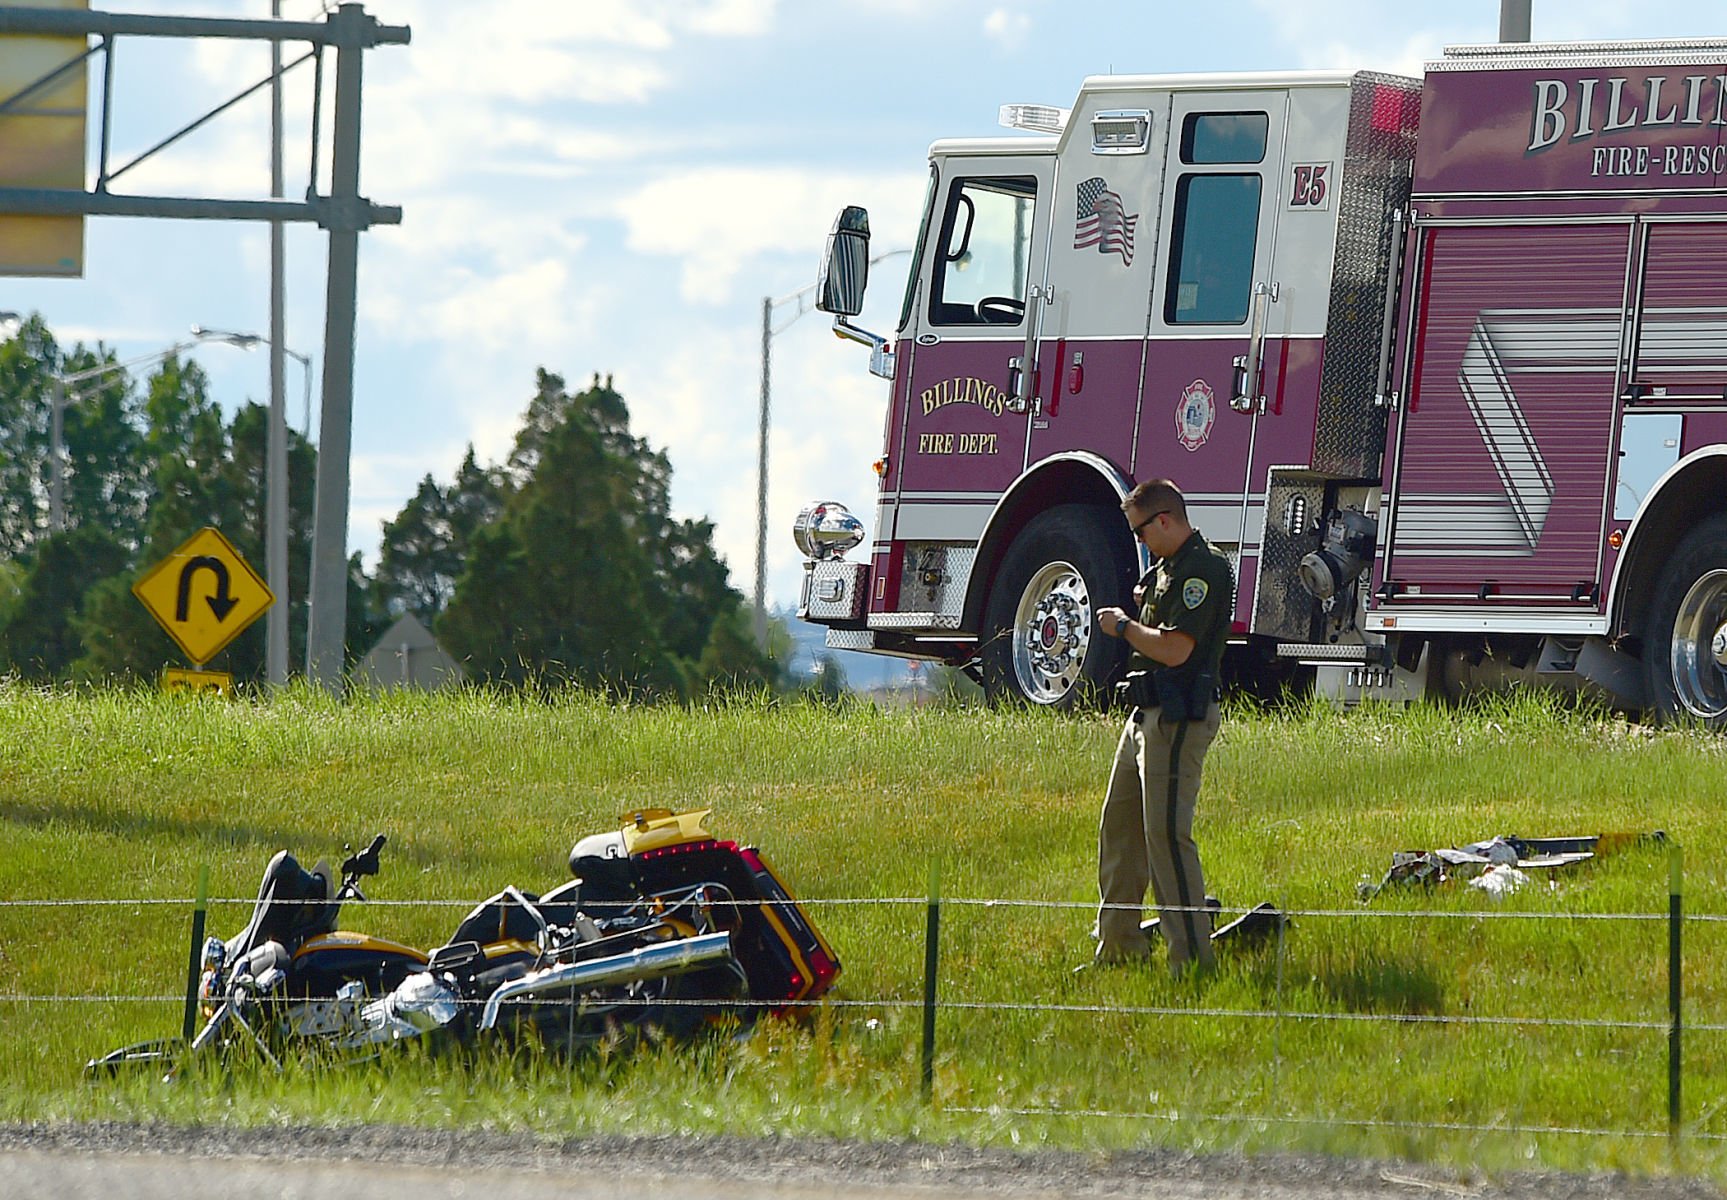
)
(1184, 695)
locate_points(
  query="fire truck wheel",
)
(1041, 644)
(1685, 643)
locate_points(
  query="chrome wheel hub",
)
(1698, 651)
(1051, 631)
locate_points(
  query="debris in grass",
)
(1515, 854)
(1499, 880)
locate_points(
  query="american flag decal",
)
(1102, 221)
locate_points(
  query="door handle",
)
(1022, 371)
(1249, 368)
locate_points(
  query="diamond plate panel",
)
(1295, 504)
(935, 577)
(851, 639)
(835, 591)
(1383, 112)
(914, 620)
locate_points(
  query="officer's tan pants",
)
(1145, 838)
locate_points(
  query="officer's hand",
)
(1109, 618)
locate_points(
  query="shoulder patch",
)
(1194, 592)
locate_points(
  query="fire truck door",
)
(1103, 251)
(1214, 302)
(961, 441)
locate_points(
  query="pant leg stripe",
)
(1174, 803)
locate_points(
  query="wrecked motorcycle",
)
(661, 927)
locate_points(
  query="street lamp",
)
(769, 303)
(275, 496)
(251, 341)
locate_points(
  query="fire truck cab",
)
(1440, 363)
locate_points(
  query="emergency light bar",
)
(1038, 118)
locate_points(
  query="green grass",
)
(124, 796)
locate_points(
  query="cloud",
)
(716, 219)
(1010, 29)
(1352, 34)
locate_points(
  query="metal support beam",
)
(327, 626)
(50, 22)
(329, 212)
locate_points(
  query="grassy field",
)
(1327, 1043)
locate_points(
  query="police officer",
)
(1146, 832)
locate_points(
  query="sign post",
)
(204, 594)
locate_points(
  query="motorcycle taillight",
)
(824, 969)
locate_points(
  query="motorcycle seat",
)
(511, 914)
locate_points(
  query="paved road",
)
(118, 1162)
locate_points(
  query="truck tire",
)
(1685, 635)
(1040, 641)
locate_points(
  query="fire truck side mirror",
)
(845, 270)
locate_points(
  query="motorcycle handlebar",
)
(364, 863)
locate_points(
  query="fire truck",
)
(1441, 364)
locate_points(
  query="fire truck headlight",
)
(825, 530)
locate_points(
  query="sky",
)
(614, 187)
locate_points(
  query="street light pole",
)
(56, 453)
(275, 488)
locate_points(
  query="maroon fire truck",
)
(1441, 363)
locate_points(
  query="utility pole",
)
(1514, 20)
(276, 463)
(761, 592)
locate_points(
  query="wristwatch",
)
(1121, 625)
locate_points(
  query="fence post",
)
(1675, 906)
(195, 958)
(931, 956)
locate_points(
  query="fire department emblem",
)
(1195, 415)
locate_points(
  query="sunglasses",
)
(1162, 512)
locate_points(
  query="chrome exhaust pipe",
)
(650, 962)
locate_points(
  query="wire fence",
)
(933, 1005)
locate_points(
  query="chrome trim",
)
(649, 962)
(881, 359)
(1382, 395)
(420, 1004)
(1524, 56)
(1540, 222)
(1474, 621)
(1614, 196)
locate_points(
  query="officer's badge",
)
(1193, 592)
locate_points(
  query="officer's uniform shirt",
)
(1193, 592)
